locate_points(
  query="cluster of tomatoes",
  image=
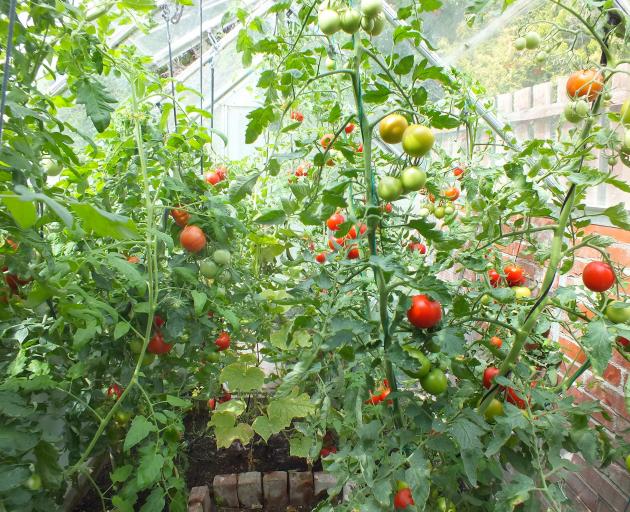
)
(217, 176)
(212, 402)
(514, 278)
(370, 18)
(192, 238)
(157, 345)
(336, 243)
(442, 211)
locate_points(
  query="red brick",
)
(621, 235)
(618, 475)
(276, 491)
(200, 496)
(604, 488)
(572, 350)
(614, 400)
(620, 254)
(621, 361)
(586, 494)
(588, 253)
(250, 489)
(612, 375)
(300, 488)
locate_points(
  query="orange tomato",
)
(585, 83)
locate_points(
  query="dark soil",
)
(205, 461)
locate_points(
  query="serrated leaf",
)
(155, 501)
(263, 427)
(129, 271)
(283, 410)
(300, 445)
(175, 401)
(199, 301)
(618, 216)
(97, 101)
(140, 428)
(149, 469)
(271, 217)
(121, 473)
(242, 377)
(597, 343)
(104, 223)
(121, 329)
(259, 120)
(12, 476)
(47, 464)
(242, 186)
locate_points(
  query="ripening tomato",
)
(133, 259)
(585, 83)
(213, 178)
(297, 116)
(598, 276)
(353, 253)
(223, 341)
(458, 172)
(326, 140)
(114, 390)
(488, 376)
(512, 397)
(158, 346)
(334, 220)
(514, 275)
(360, 148)
(495, 408)
(353, 231)
(221, 171)
(321, 258)
(336, 243)
(180, 217)
(403, 498)
(212, 403)
(495, 278)
(192, 238)
(392, 127)
(451, 193)
(424, 312)
(495, 341)
(349, 128)
(388, 208)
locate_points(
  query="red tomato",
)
(494, 278)
(514, 275)
(353, 253)
(223, 341)
(378, 398)
(417, 246)
(388, 208)
(158, 346)
(321, 258)
(114, 390)
(158, 321)
(133, 259)
(598, 276)
(340, 242)
(451, 193)
(624, 342)
(212, 403)
(488, 376)
(360, 148)
(225, 398)
(192, 238)
(458, 171)
(300, 171)
(349, 128)
(213, 178)
(297, 116)
(353, 231)
(512, 397)
(585, 82)
(12, 244)
(221, 172)
(326, 140)
(326, 451)
(403, 498)
(180, 217)
(334, 221)
(424, 312)
(495, 341)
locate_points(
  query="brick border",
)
(273, 491)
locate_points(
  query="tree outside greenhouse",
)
(359, 271)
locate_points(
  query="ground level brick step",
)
(274, 491)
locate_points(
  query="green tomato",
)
(52, 167)
(532, 40)
(224, 277)
(435, 382)
(570, 114)
(135, 346)
(618, 312)
(625, 112)
(148, 359)
(34, 482)
(445, 505)
(371, 8)
(582, 108)
(628, 462)
(540, 57)
(439, 212)
(220, 292)
(208, 268)
(520, 43)
(417, 140)
(413, 179)
(350, 21)
(222, 257)
(625, 146)
(423, 212)
(495, 408)
(213, 357)
(430, 207)
(485, 299)
(374, 26)
(328, 21)
(331, 65)
(432, 347)
(521, 292)
(612, 161)
(449, 210)
(122, 417)
(389, 188)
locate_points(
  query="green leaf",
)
(155, 501)
(149, 469)
(430, 5)
(121, 473)
(140, 428)
(300, 445)
(47, 464)
(264, 428)
(618, 216)
(271, 217)
(129, 271)
(451, 341)
(259, 120)
(242, 377)
(138, 5)
(13, 405)
(597, 343)
(199, 301)
(283, 410)
(121, 329)
(404, 65)
(178, 402)
(104, 223)
(12, 476)
(23, 211)
(242, 186)
(97, 101)
(14, 442)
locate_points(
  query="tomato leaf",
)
(242, 377)
(149, 470)
(199, 301)
(97, 101)
(23, 211)
(259, 119)
(104, 223)
(47, 464)
(121, 473)
(597, 343)
(618, 216)
(140, 428)
(271, 217)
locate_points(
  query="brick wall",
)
(537, 112)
